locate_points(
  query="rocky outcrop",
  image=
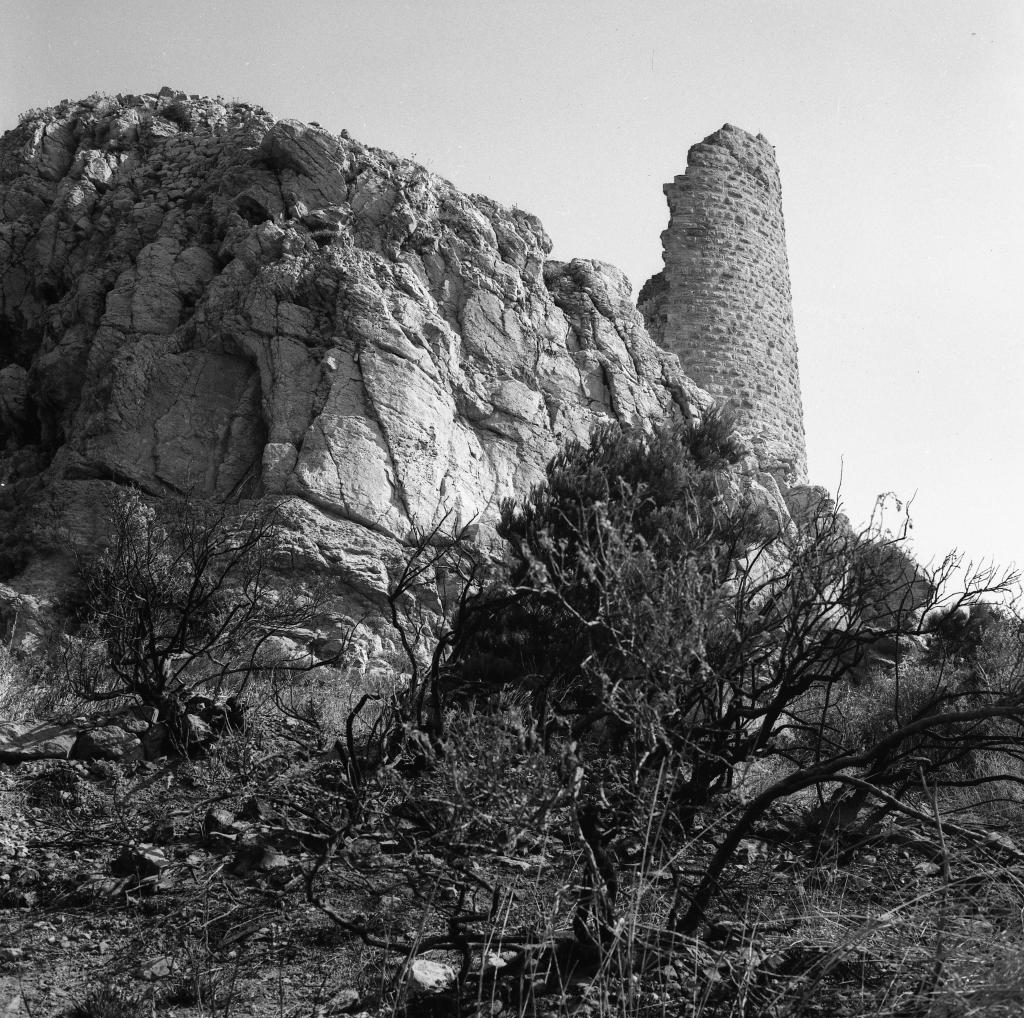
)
(194, 297)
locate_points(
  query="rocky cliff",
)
(194, 297)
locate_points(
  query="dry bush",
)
(186, 600)
(660, 620)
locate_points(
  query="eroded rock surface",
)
(194, 297)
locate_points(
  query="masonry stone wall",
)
(722, 302)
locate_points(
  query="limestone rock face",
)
(194, 297)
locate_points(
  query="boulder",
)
(426, 976)
(35, 740)
(137, 719)
(108, 742)
(194, 735)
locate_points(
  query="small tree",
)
(183, 600)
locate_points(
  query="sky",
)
(898, 127)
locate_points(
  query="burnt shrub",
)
(670, 629)
(185, 601)
(658, 628)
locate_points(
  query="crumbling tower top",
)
(723, 302)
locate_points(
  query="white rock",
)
(432, 976)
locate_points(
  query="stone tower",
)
(722, 302)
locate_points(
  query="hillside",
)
(391, 627)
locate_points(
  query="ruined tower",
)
(722, 302)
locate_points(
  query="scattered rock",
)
(428, 976)
(219, 821)
(258, 857)
(139, 861)
(159, 967)
(344, 1002)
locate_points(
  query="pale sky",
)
(898, 127)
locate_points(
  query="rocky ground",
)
(168, 880)
(178, 887)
